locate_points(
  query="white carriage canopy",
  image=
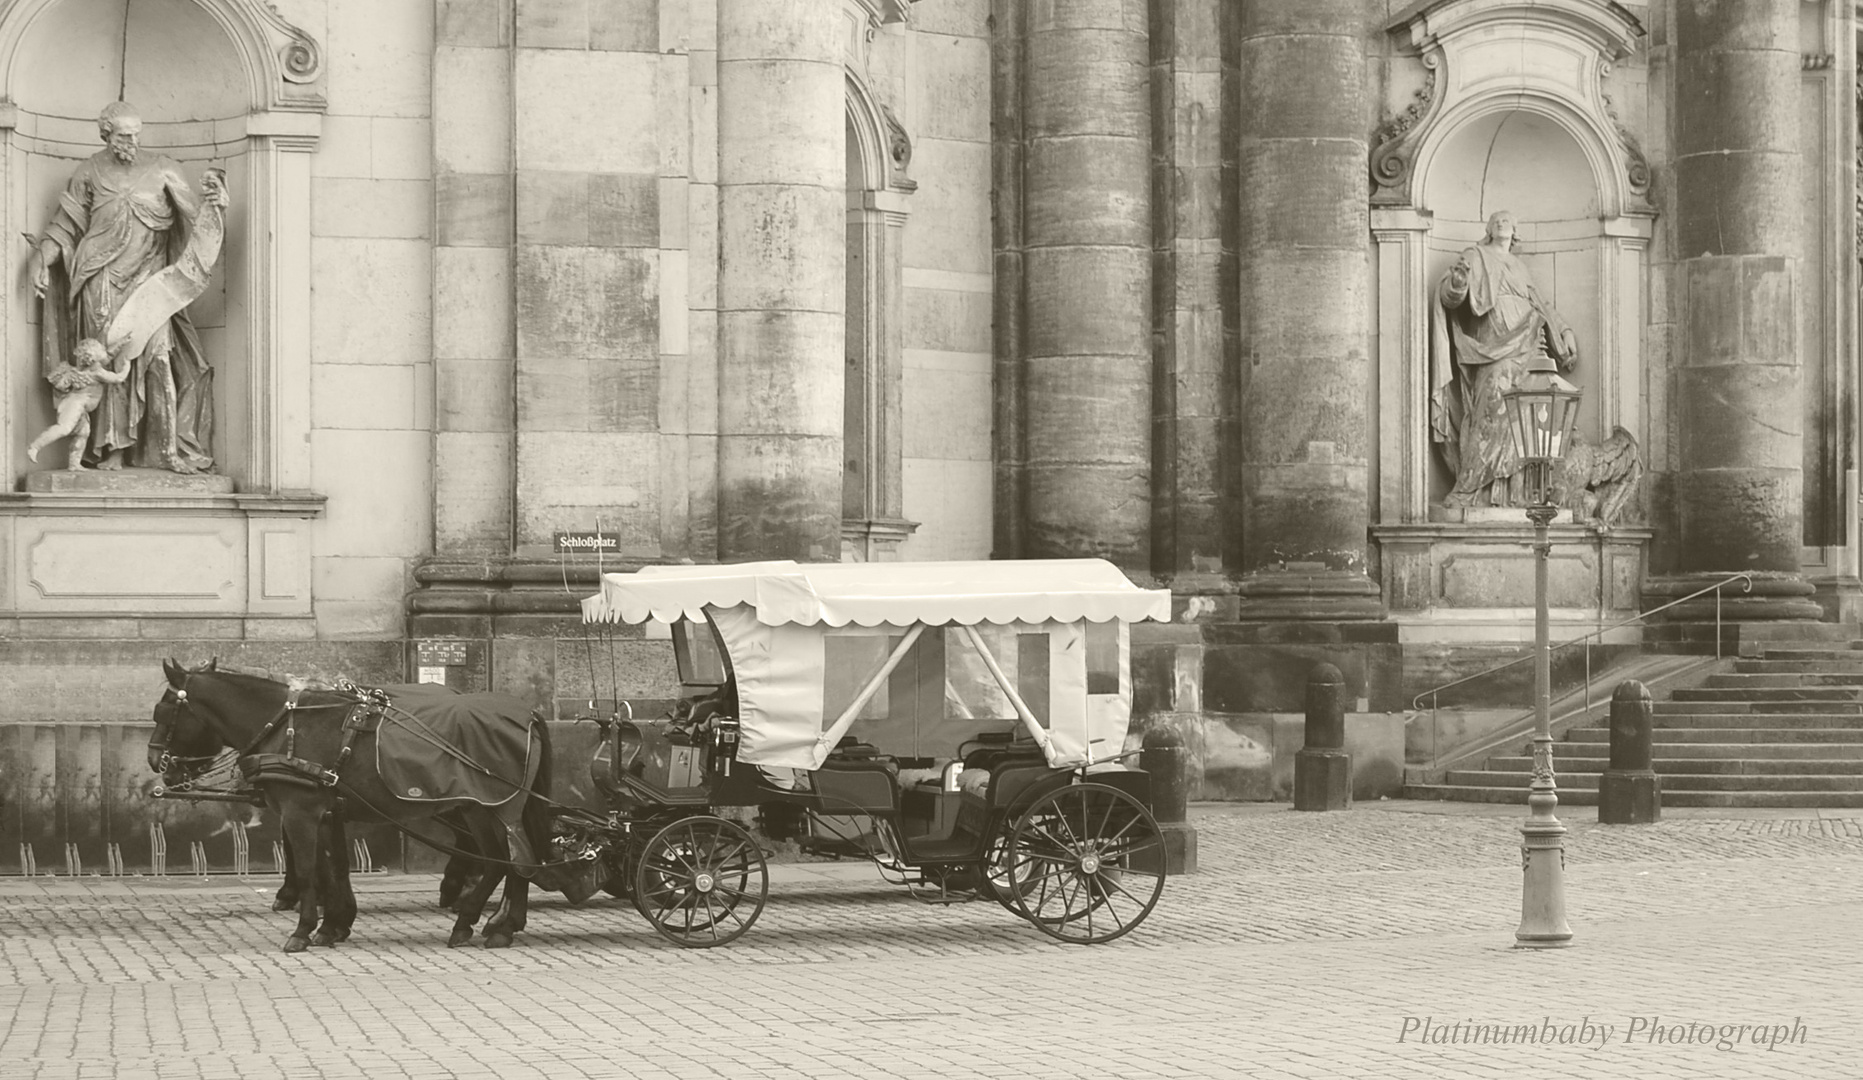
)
(816, 647)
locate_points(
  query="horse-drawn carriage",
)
(964, 725)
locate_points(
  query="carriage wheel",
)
(1003, 878)
(1087, 863)
(701, 881)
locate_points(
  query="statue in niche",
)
(1486, 323)
(127, 250)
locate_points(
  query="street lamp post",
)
(1541, 410)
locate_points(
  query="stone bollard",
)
(1165, 759)
(1630, 792)
(1323, 769)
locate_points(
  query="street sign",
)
(587, 543)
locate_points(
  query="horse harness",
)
(365, 710)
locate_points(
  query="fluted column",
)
(782, 174)
(1087, 365)
(1739, 413)
(1305, 368)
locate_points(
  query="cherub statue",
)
(1596, 481)
(77, 387)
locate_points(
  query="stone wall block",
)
(472, 114)
(1325, 208)
(1306, 514)
(1268, 18)
(552, 207)
(1307, 302)
(1076, 388)
(1740, 519)
(790, 250)
(633, 26)
(582, 111)
(624, 209)
(782, 146)
(779, 496)
(481, 23)
(1284, 424)
(554, 24)
(1099, 304)
(578, 301)
(1061, 16)
(1736, 25)
(777, 30)
(1733, 103)
(474, 395)
(1733, 415)
(771, 380)
(473, 209)
(1099, 511)
(472, 315)
(1292, 87)
(1081, 191)
(1091, 82)
(1730, 206)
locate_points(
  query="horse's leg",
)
(300, 824)
(513, 903)
(287, 898)
(488, 836)
(462, 870)
(339, 908)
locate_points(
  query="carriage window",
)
(1032, 673)
(970, 691)
(695, 646)
(1103, 657)
(849, 663)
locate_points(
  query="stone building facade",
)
(923, 279)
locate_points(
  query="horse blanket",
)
(437, 745)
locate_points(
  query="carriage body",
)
(954, 711)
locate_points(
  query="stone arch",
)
(878, 155)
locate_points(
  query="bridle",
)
(190, 767)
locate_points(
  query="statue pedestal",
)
(125, 482)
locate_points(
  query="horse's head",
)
(182, 742)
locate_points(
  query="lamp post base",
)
(1542, 861)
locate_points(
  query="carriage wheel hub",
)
(1090, 863)
(703, 883)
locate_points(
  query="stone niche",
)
(1510, 107)
(222, 83)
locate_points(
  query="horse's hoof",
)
(460, 937)
(498, 941)
(284, 905)
(339, 935)
(296, 944)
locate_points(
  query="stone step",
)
(1851, 663)
(1753, 708)
(1730, 749)
(1589, 797)
(1678, 721)
(1666, 766)
(1741, 736)
(1771, 694)
(1671, 782)
(1738, 680)
(1814, 652)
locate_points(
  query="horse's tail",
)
(537, 816)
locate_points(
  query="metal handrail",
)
(1744, 577)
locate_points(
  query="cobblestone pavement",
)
(1370, 943)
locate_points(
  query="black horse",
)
(305, 749)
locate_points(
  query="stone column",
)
(1087, 229)
(1306, 315)
(1736, 393)
(782, 174)
(1188, 118)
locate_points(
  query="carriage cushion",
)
(435, 745)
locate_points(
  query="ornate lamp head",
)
(1541, 410)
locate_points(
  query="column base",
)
(1309, 591)
(1774, 596)
(1629, 798)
